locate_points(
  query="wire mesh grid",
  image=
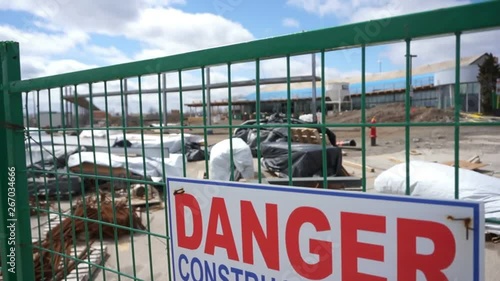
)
(95, 177)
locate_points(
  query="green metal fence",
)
(26, 254)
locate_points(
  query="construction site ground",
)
(426, 143)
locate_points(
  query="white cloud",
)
(443, 49)
(382, 9)
(104, 16)
(290, 22)
(364, 10)
(37, 66)
(174, 31)
(39, 43)
(153, 22)
(164, 3)
(108, 55)
(299, 66)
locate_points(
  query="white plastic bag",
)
(220, 163)
(432, 180)
(172, 141)
(173, 164)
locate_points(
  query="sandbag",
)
(433, 180)
(220, 161)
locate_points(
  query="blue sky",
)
(58, 36)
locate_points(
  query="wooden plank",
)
(395, 160)
(140, 202)
(414, 152)
(357, 165)
(466, 165)
(317, 137)
(474, 159)
(88, 168)
(306, 135)
(300, 134)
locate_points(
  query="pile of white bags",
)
(432, 180)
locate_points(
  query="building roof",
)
(426, 69)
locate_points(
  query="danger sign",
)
(234, 231)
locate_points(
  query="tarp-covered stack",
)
(306, 158)
(433, 180)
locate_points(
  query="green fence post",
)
(15, 232)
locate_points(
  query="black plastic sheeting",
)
(306, 159)
(272, 135)
(196, 152)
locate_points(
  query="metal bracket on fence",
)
(179, 191)
(467, 223)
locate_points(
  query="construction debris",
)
(60, 238)
(220, 161)
(493, 238)
(306, 159)
(474, 159)
(279, 134)
(37, 205)
(143, 195)
(473, 164)
(306, 135)
(394, 112)
(477, 117)
(466, 165)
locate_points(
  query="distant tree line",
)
(489, 72)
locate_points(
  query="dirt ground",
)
(393, 112)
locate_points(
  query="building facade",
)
(433, 85)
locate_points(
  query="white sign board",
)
(498, 86)
(234, 231)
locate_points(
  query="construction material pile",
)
(434, 180)
(394, 112)
(50, 266)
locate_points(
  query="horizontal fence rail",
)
(78, 217)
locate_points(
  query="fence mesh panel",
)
(90, 180)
